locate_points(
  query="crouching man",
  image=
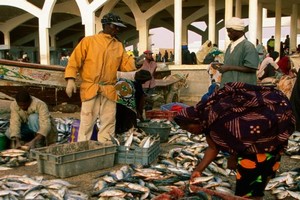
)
(30, 123)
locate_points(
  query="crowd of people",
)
(250, 122)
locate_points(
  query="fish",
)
(113, 193)
(3, 168)
(129, 141)
(293, 194)
(201, 179)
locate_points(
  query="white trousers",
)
(101, 107)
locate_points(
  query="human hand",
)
(216, 65)
(71, 87)
(29, 145)
(194, 175)
(15, 143)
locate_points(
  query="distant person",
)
(97, 59)
(202, 53)
(130, 105)
(271, 44)
(241, 57)
(25, 57)
(166, 56)
(287, 42)
(268, 66)
(186, 57)
(30, 122)
(158, 57)
(64, 59)
(149, 87)
(213, 55)
(260, 50)
(285, 65)
(171, 56)
(8, 56)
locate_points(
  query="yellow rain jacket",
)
(97, 58)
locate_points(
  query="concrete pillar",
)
(277, 25)
(44, 45)
(184, 37)
(212, 20)
(177, 31)
(89, 27)
(228, 15)
(293, 25)
(253, 21)
(52, 41)
(7, 39)
(143, 28)
(238, 8)
(259, 21)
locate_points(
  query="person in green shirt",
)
(241, 58)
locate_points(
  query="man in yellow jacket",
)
(97, 58)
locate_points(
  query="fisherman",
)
(30, 123)
(97, 59)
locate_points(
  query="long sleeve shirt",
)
(97, 59)
(19, 116)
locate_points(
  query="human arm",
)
(127, 63)
(210, 154)
(74, 64)
(33, 142)
(140, 108)
(224, 68)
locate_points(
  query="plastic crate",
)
(74, 158)
(160, 114)
(137, 155)
(156, 128)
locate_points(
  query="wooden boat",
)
(45, 82)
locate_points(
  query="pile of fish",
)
(63, 127)
(135, 137)
(293, 149)
(286, 184)
(15, 187)
(136, 182)
(4, 124)
(13, 158)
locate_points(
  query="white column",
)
(228, 15)
(259, 22)
(277, 25)
(44, 45)
(143, 28)
(177, 31)
(293, 25)
(212, 20)
(89, 24)
(252, 21)
(238, 8)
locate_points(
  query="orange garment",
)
(97, 58)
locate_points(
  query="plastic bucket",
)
(156, 128)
